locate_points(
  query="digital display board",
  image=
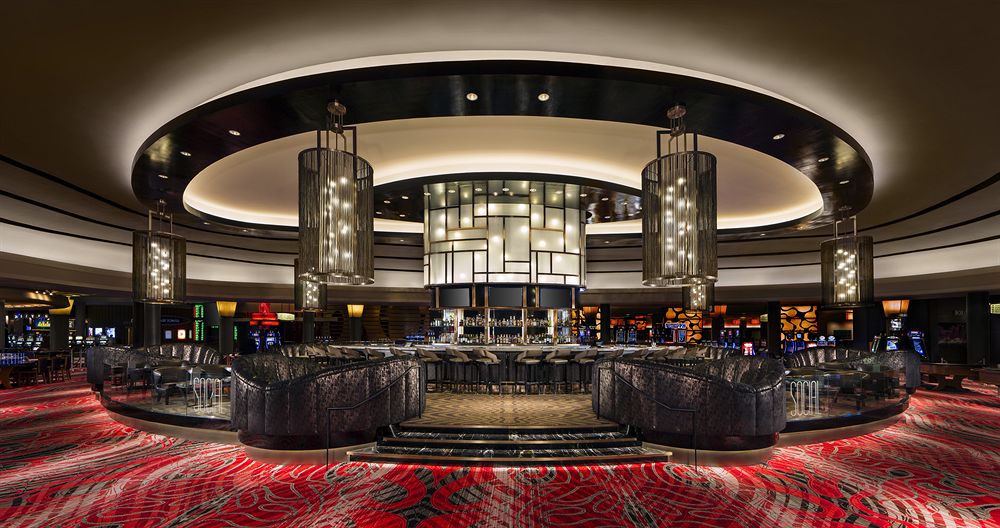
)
(454, 297)
(505, 296)
(555, 298)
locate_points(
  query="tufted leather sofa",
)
(740, 401)
(901, 360)
(281, 402)
(100, 358)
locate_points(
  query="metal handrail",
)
(374, 395)
(692, 412)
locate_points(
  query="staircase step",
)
(489, 457)
(512, 444)
(505, 429)
(515, 435)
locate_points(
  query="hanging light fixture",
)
(847, 265)
(159, 261)
(310, 296)
(679, 211)
(699, 298)
(336, 225)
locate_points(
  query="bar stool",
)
(553, 360)
(459, 363)
(484, 362)
(428, 358)
(584, 363)
(526, 366)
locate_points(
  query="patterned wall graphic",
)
(799, 320)
(693, 320)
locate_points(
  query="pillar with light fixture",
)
(159, 261)
(336, 209)
(679, 210)
(227, 311)
(354, 313)
(847, 269)
(59, 326)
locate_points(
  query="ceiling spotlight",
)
(401, 215)
(505, 189)
(427, 194)
(386, 202)
(604, 199)
(451, 191)
(472, 96)
(378, 212)
(479, 189)
(185, 153)
(777, 136)
(405, 197)
(583, 195)
(532, 189)
(246, 230)
(234, 132)
(845, 182)
(206, 223)
(823, 160)
(401, 240)
(763, 234)
(607, 241)
(558, 192)
(164, 176)
(607, 218)
(543, 97)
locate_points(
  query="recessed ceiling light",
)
(777, 136)
(164, 176)
(607, 218)
(405, 197)
(234, 132)
(185, 153)
(402, 215)
(607, 241)
(206, 223)
(246, 230)
(386, 202)
(845, 182)
(763, 234)
(543, 97)
(604, 199)
(583, 195)
(479, 189)
(427, 194)
(378, 212)
(558, 192)
(472, 96)
(532, 189)
(451, 191)
(823, 160)
(401, 240)
(505, 189)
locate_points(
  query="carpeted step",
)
(507, 457)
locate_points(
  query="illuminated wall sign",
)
(282, 316)
(995, 309)
(198, 334)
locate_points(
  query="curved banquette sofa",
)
(281, 402)
(100, 359)
(905, 361)
(739, 401)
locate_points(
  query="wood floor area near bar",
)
(509, 410)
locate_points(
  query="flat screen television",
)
(505, 296)
(555, 297)
(454, 297)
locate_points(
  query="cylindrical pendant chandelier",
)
(336, 209)
(679, 211)
(848, 271)
(159, 262)
(699, 297)
(310, 296)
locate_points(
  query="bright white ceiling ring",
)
(256, 185)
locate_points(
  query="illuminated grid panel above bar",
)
(503, 231)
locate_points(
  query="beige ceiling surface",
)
(259, 184)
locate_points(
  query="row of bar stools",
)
(555, 361)
(585, 365)
(459, 370)
(430, 359)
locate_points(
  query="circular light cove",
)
(472, 96)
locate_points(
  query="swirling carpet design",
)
(63, 462)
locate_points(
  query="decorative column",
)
(227, 310)
(977, 317)
(3, 324)
(774, 329)
(308, 327)
(354, 314)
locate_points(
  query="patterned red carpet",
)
(63, 462)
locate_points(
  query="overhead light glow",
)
(472, 96)
(234, 132)
(543, 97)
(185, 153)
(777, 136)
